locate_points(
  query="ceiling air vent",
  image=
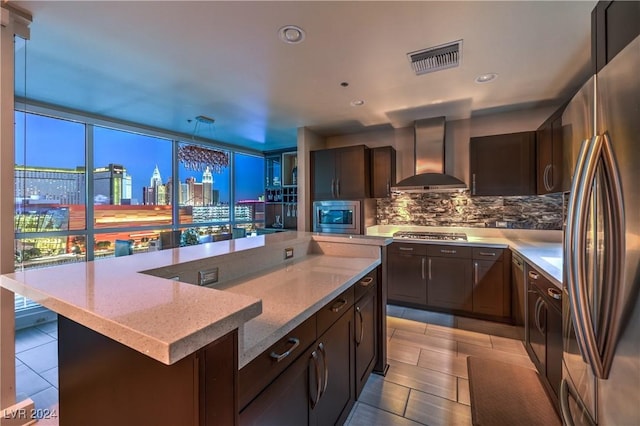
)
(436, 58)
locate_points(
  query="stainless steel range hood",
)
(429, 154)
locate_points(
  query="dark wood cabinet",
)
(614, 24)
(337, 395)
(467, 280)
(491, 282)
(341, 173)
(109, 383)
(255, 376)
(549, 151)
(449, 277)
(503, 164)
(286, 401)
(383, 171)
(407, 265)
(544, 330)
(365, 335)
(316, 383)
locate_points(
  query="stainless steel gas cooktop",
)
(438, 236)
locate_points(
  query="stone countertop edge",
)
(166, 351)
(87, 293)
(261, 343)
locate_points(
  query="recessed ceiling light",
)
(357, 102)
(291, 34)
(485, 78)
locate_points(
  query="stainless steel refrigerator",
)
(601, 303)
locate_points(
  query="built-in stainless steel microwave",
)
(344, 217)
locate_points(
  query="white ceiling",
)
(163, 63)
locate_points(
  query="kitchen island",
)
(139, 343)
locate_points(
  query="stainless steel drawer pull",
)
(487, 253)
(279, 357)
(338, 305)
(359, 339)
(533, 275)
(365, 282)
(555, 293)
(406, 248)
(448, 251)
(316, 364)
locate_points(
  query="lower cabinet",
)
(406, 264)
(491, 282)
(449, 277)
(544, 330)
(365, 330)
(336, 379)
(303, 381)
(462, 279)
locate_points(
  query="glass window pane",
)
(249, 188)
(131, 180)
(49, 183)
(49, 251)
(204, 184)
(110, 244)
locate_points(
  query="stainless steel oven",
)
(344, 217)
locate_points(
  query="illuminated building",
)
(109, 184)
(49, 185)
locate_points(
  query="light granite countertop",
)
(542, 249)
(168, 320)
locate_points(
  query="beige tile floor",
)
(427, 381)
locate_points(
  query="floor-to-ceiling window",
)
(84, 191)
(132, 180)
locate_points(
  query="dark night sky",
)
(60, 143)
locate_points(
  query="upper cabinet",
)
(383, 171)
(613, 25)
(503, 164)
(341, 173)
(549, 154)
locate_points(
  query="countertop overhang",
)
(167, 319)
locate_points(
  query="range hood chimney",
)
(429, 153)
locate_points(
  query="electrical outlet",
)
(501, 224)
(208, 276)
(288, 253)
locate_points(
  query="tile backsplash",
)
(460, 209)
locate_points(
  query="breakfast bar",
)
(140, 341)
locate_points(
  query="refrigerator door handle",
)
(614, 265)
(597, 341)
(567, 391)
(576, 203)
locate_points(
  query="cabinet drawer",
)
(334, 310)
(256, 375)
(408, 248)
(365, 284)
(487, 253)
(449, 251)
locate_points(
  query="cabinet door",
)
(336, 348)
(554, 349)
(503, 164)
(407, 278)
(449, 283)
(365, 337)
(383, 171)
(286, 401)
(488, 288)
(614, 24)
(352, 173)
(549, 146)
(536, 328)
(324, 170)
